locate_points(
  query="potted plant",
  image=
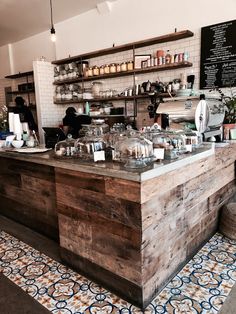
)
(3, 118)
(230, 117)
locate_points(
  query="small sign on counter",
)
(159, 153)
(99, 155)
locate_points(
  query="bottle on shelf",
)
(87, 108)
(168, 57)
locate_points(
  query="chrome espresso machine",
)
(205, 115)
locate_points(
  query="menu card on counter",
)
(218, 55)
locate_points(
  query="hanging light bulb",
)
(53, 35)
(53, 31)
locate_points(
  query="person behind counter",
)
(25, 113)
(72, 122)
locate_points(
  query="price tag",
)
(189, 147)
(159, 153)
(100, 155)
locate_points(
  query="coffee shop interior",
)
(117, 152)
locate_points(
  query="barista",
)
(72, 122)
(25, 113)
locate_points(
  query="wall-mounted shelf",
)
(132, 45)
(27, 92)
(170, 66)
(16, 92)
(117, 98)
(20, 74)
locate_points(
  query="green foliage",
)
(230, 114)
(3, 118)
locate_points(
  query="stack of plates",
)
(184, 92)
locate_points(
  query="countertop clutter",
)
(111, 169)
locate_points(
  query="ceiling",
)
(20, 19)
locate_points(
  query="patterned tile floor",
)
(200, 287)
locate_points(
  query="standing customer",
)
(25, 113)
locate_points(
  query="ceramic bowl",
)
(17, 144)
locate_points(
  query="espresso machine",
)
(205, 115)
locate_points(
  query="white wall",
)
(28, 50)
(4, 61)
(129, 20)
(132, 20)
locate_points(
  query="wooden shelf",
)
(118, 98)
(170, 66)
(23, 92)
(109, 115)
(20, 74)
(133, 45)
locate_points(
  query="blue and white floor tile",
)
(200, 287)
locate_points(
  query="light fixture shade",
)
(53, 34)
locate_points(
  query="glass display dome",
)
(90, 147)
(98, 127)
(65, 148)
(136, 151)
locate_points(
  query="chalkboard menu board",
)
(218, 55)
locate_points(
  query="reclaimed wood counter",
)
(130, 231)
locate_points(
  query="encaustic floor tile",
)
(200, 287)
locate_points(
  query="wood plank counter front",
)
(129, 231)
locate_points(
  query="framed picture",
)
(139, 60)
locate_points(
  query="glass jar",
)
(123, 67)
(113, 68)
(96, 88)
(95, 71)
(90, 71)
(118, 67)
(107, 69)
(101, 70)
(65, 148)
(130, 65)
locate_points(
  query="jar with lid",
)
(56, 73)
(101, 70)
(90, 71)
(96, 88)
(130, 65)
(113, 68)
(168, 57)
(118, 67)
(65, 148)
(123, 66)
(95, 71)
(107, 69)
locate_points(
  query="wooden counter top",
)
(112, 169)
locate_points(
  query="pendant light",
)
(53, 32)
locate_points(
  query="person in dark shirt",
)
(25, 113)
(72, 123)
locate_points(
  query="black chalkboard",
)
(218, 55)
